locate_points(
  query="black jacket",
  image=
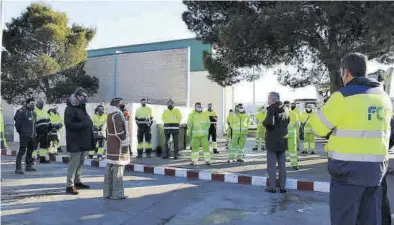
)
(79, 128)
(276, 123)
(25, 122)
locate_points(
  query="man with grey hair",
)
(276, 123)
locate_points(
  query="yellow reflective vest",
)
(55, 118)
(143, 115)
(358, 118)
(240, 123)
(212, 116)
(100, 121)
(2, 125)
(198, 124)
(306, 120)
(43, 120)
(260, 117)
(171, 119)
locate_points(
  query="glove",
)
(125, 143)
(60, 125)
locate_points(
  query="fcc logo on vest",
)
(378, 110)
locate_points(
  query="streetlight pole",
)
(116, 73)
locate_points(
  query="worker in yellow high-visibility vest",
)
(356, 120)
(198, 124)
(260, 135)
(212, 128)
(228, 129)
(292, 134)
(55, 132)
(309, 137)
(240, 122)
(144, 120)
(4, 144)
(172, 118)
(43, 125)
(99, 132)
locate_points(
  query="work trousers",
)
(113, 182)
(229, 135)
(75, 166)
(292, 145)
(4, 144)
(355, 205)
(54, 143)
(274, 157)
(196, 143)
(99, 143)
(237, 146)
(212, 133)
(386, 210)
(144, 132)
(309, 141)
(25, 143)
(175, 139)
(260, 137)
(43, 141)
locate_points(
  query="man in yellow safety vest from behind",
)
(172, 118)
(260, 135)
(43, 126)
(357, 120)
(294, 109)
(240, 122)
(212, 128)
(198, 124)
(144, 120)
(99, 132)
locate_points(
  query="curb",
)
(225, 177)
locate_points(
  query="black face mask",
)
(31, 107)
(40, 105)
(293, 107)
(143, 104)
(100, 112)
(170, 107)
(122, 107)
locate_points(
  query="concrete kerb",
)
(235, 178)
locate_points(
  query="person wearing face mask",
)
(171, 117)
(309, 137)
(43, 126)
(260, 135)
(292, 136)
(276, 123)
(294, 110)
(240, 122)
(54, 134)
(144, 120)
(198, 128)
(25, 125)
(229, 130)
(99, 132)
(212, 128)
(117, 151)
(356, 120)
(79, 138)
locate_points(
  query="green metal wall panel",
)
(196, 49)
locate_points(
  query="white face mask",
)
(199, 109)
(241, 109)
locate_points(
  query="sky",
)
(133, 22)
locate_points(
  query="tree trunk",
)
(335, 77)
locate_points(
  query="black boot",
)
(18, 169)
(148, 153)
(30, 168)
(139, 152)
(215, 151)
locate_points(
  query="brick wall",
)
(157, 75)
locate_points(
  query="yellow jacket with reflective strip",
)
(358, 117)
(171, 118)
(143, 115)
(55, 118)
(198, 124)
(100, 120)
(260, 117)
(43, 118)
(240, 123)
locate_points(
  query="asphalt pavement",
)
(38, 198)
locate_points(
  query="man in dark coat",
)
(25, 124)
(79, 138)
(276, 123)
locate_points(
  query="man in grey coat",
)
(276, 123)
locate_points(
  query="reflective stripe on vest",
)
(324, 120)
(361, 133)
(171, 126)
(356, 158)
